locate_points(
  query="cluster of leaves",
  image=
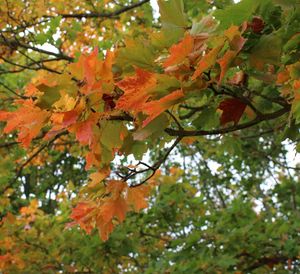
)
(158, 86)
(186, 229)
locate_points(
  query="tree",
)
(166, 140)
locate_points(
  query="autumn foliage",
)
(133, 85)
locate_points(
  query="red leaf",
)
(82, 214)
(257, 24)
(109, 102)
(233, 110)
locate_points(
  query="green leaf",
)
(292, 44)
(207, 119)
(166, 38)
(54, 23)
(136, 53)
(42, 38)
(50, 96)
(287, 4)
(131, 146)
(111, 134)
(266, 51)
(172, 13)
(236, 14)
(155, 126)
(294, 71)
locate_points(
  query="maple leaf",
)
(69, 117)
(93, 71)
(155, 108)
(65, 103)
(66, 120)
(115, 188)
(117, 203)
(28, 119)
(235, 39)
(136, 90)
(262, 53)
(225, 62)
(236, 42)
(82, 214)
(97, 177)
(137, 197)
(180, 51)
(233, 110)
(114, 208)
(105, 228)
(84, 129)
(207, 61)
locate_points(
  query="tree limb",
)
(257, 120)
(101, 15)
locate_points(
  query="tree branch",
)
(133, 172)
(257, 120)
(101, 15)
(12, 91)
(19, 171)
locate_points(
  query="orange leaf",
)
(84, 129)
(225, 62)
(180, 51)
(155, 108)
(296, 87)
(236, 41)
(282, 77)
(137, 196)
(115, 188)
(207, 61)
(136, 90)
(104, 228)
(83, 215)
(98, 177)
(93, 70)
(28, 119)
(114, 208)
